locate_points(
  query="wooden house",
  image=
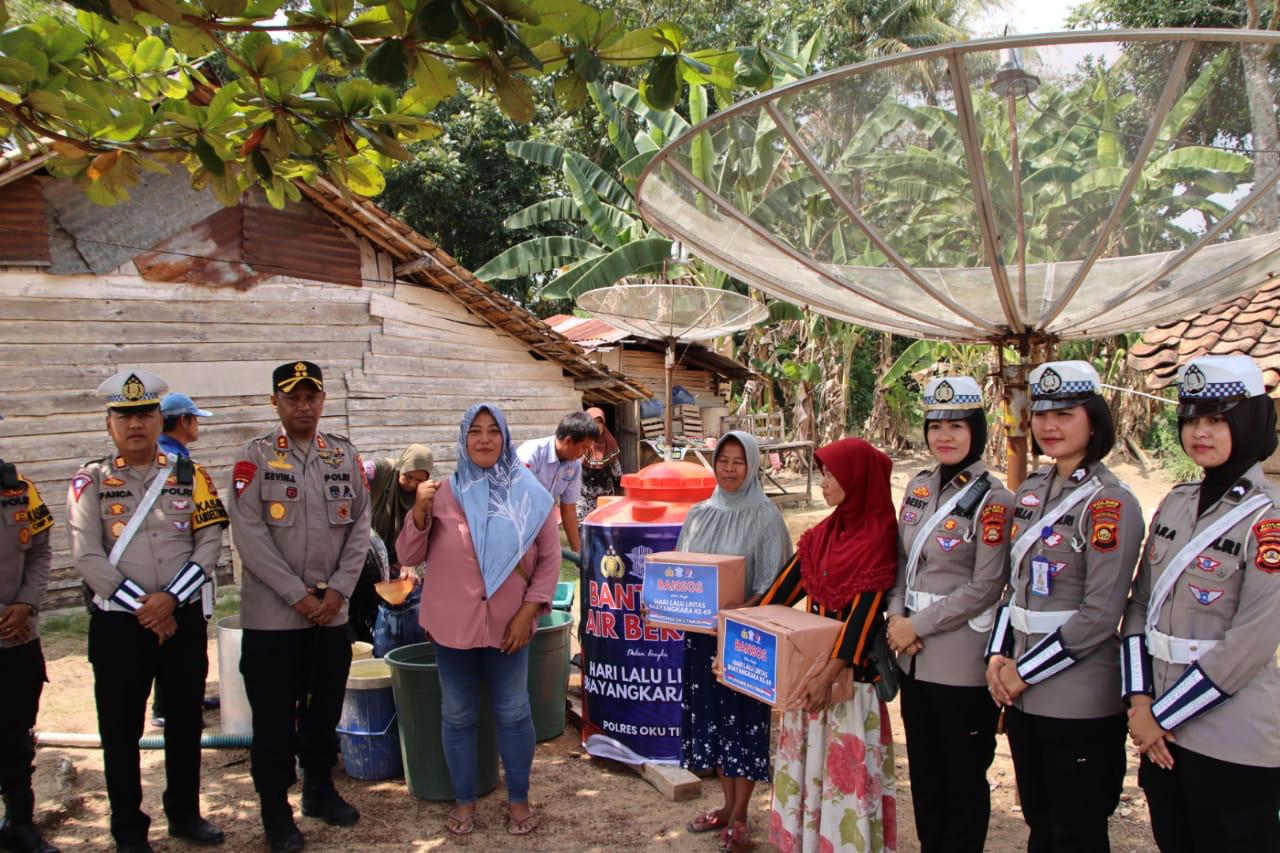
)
(212, 298)
(703, 372)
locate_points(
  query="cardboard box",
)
(769, 652)
(685, 591)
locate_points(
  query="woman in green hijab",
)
(393, 483)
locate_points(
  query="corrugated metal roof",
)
(591, 334)
(159, 207)
(283, 242)
(586, 331)
(22, 223)
(209, 253)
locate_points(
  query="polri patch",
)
(1030, 499)
(921, 491)
(1267, 532)
(946, 543)
(994, 517)
(242, 475)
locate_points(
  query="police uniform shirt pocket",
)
(339, 510)
(1218, 563)
(14, 524)
(279, 500)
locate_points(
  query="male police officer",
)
(301, 524)
(25, 558)
(146, 534)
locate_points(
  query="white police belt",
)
(917, 601)
(1038, 621)
(1170, 649)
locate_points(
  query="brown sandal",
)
(460, 825)
(708, 821)
(522, 827)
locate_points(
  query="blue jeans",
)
(462, 674)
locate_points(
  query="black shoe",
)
(134, 847)
(197, 830)
(23, 838)
(323, 801)
(284, 837)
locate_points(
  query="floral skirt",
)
(833, 782)
(720, 727)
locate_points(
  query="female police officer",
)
(1077, 533)
(1203, 624)
(953, 548)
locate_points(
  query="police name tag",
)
(750, 660)
(1040, 574)
(682, 595)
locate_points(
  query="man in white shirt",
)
(556, 461)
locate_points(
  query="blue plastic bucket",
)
(369, 736)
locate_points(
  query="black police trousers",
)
(126, 659)
(1205, 805)
(951, 740)
(23, 675)
(295, 681)
(1070, 775)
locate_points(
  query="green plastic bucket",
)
(549, 674)
(415, 681)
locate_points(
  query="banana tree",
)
(611, 242)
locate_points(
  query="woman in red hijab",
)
(845, 566)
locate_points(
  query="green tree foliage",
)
(334, 89)
(460, 187)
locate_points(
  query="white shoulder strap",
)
(139, 516)
(1178, 564)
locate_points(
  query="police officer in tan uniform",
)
(146, 534)
(300, 511)
(25, 559)
(1053, 653)
(1203, 625)
(953, 551)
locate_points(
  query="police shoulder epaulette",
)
(185, 471)
(338, 437)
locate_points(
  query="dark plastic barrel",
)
(415, 682)
(549, 674)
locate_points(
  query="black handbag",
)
(886, 665)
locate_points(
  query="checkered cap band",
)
(1069, 388)
(1216, 390)
(959, 401)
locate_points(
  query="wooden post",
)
(669, 366)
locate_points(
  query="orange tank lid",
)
(673, 482)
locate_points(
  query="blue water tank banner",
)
(631, 679)
(750, 660)
(683, 594)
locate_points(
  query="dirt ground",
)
(586, 804)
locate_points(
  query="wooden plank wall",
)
(401, 365)
(647, 367)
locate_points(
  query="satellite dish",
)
(1018, 190)
(671, 312)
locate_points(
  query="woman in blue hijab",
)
(492, 552)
